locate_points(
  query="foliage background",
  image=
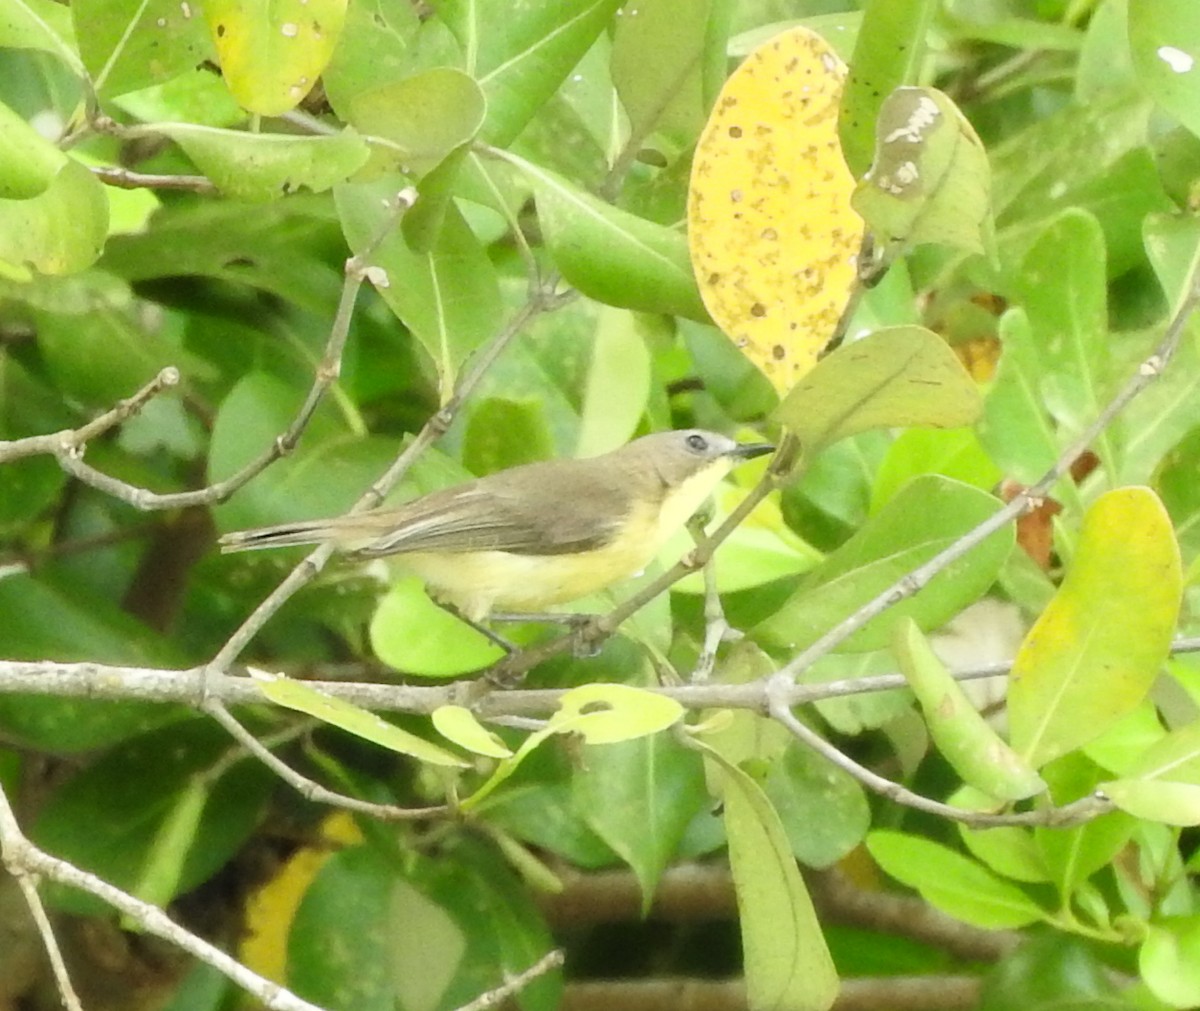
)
(554, 141)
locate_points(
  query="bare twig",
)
(553, 959)
(308, 788)
(70, 441)
(127, 179)
(543, 300)
(1149, 370)
(27, 881)
(23, 858)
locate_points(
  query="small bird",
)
(535, 535)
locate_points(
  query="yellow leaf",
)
(273, 51)
(772, 234)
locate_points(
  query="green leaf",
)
(610, 713)
(953, 883)
(639, 796)
(60, 231)
(273, 51)
(952, 452)
(520, 55)
(503, 433)
(260, 166)
(966, 740)
(448, 297)
(28, 162)
(823, 810)
(1164, 40)
(39, 24)
(929, 180)
(1163, 783)
(362, 723)
(127, 46)
(163, 870)
(618, 383)
(410, 633)
(425, 116)
(1164, 801)
(658, 58)
(114, 817)
(1015, 429)
(459, 725)
(1095, 651)
(1169, 960)
(887, 53)
(611, 255)
(787, 964)
(897, 376)
(1063, 288)
(925, 517)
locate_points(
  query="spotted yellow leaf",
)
(773, 237)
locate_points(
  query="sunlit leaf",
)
(425, 116)
(273, 51)
(773, 238)
(896, 377)
(361, 722)
(458, 724)
(39, 24)
(410, 633)
(607, 713)
(1169, 960)
(1094, 652)
(929, 180)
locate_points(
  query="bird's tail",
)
(278, 536)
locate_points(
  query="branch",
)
(21, 857)
(127, 179)
(542, 299)
(553, 959)
(1149, 370)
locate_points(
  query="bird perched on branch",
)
(535, 535)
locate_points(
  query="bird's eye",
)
(697, 443)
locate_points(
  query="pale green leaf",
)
(607, 713)
(952, 882)
(929, 180)
(60, 231)
(966, 740)
(458, 724)
(787, 964)
(1164, 40)
(260, 166)
(273, 51)
(896, 377)
(28, 162)
(362, 723)
(1095, 651)
(410, 633)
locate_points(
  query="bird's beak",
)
(749, 450)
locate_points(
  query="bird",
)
(538, 534)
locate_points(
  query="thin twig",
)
(308, 568)
(127, 179)
(1075, 813)
(1149, 370)
(308, 788)
(22, 857)
(71, 441)
(62, 979)
(553, 959)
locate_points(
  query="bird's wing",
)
(496, 513)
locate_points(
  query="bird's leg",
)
(716, 628)
(493, 637)
(582, 627)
